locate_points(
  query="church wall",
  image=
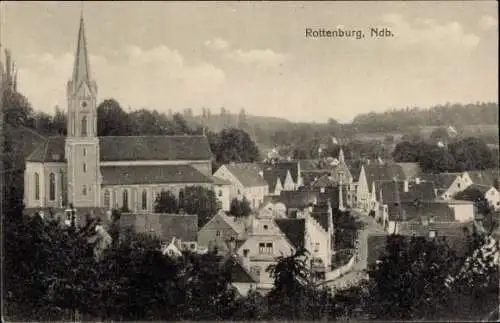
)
(56, 169)
(135, 194)
(29, 185)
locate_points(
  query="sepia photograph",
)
(249, 161)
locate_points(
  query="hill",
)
(411, 119)
(219, 122)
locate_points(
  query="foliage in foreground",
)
(51, 273)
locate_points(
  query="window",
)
(84, 152)
(144, 203)
(37, 187)
(269, 248)
(107, 199)
(84, 127)
(125, 199)
(52, 186)
(265, 227)
(458, 185)
(245, 253)
(239, 192)
(84, 167)
(262, 247)
(316, 247)
(193, 246)
(217, 233)
(220, 193)
(84, 190)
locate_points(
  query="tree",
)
(166, 202)
(409, 282)
(112, 120)
(291, 279)
(233, 145)
(200, 201)
(440, 134)
(471, 154)
(240, 208)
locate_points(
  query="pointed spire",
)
(341, 156)
(81, 69)
(341, 198)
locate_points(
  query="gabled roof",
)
(238, 225)
(271, 176)
(220, 181)
(484, 177)
(163, 226)
(415, 211)
(239, 274)
(472, 192)
(441, 180)
(247, 174)
(297, 199)
(51, 150)
(294, 230)
(156, 174)
(309, 176)
(133, 148)
(410, 170)
(320, 213)
(377, 172)
(355, 169)
(291, 166)
(423, 191)
(331, 194)
(324, 181)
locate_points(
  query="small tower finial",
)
(81, 9)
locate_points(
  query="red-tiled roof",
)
(156, 174)
(132, 148)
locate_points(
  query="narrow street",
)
(357, 273)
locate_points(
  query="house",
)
(293, 201)
(397, 215)
(172, 249)
(388, 192)
(264, 244)
(247, 181)
(85, 170)
(447, 184)
(222, 190)
(241, 278)
(220, 229)
(293, 167)
(278, 180)
(165, 227)
(472, 192)
(365, 192)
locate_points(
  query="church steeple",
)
(81, 68)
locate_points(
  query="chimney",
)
(406, 186)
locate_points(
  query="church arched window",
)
(144, 200)
(84, 127)
(52, 186)
(107, 201)
(37, 186)
(125, 199)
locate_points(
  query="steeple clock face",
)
(84, 104)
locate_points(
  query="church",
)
(126, 172)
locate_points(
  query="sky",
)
(256, 56)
